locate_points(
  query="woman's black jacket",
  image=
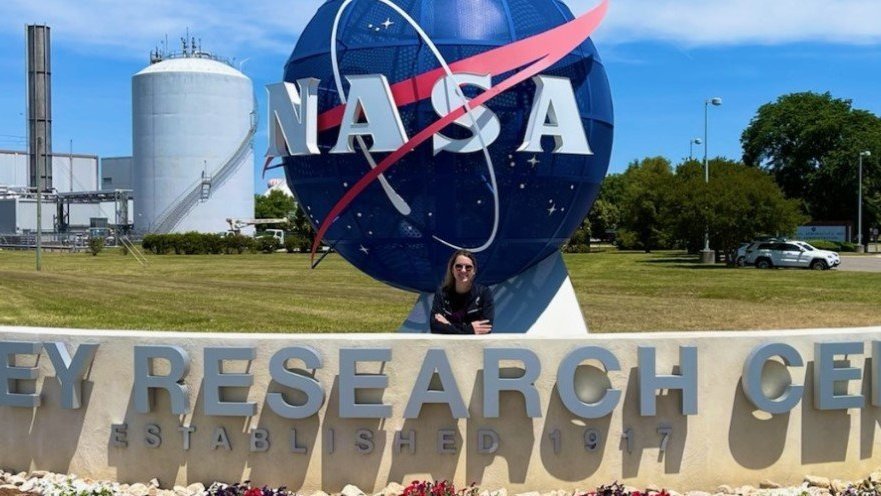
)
(479, 307)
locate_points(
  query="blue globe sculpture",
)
(543, 197)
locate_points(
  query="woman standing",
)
(460, 305)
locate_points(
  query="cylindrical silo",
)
(193, 121)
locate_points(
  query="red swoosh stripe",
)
(540, 51)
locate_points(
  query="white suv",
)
(791, 254)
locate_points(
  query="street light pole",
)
(707, 255)
(860, 246)
(694, 141)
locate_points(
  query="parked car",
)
(743, 251)
(791, 254)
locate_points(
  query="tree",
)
(811, 143)
(738, 203)
(275, 205)
(645, 193)
(605, 215)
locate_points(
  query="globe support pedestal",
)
(538, 302)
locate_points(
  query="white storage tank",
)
(193, 123)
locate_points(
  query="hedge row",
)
(193, 243)
(822, 244)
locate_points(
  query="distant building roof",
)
(278, 185)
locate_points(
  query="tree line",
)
(800, 164)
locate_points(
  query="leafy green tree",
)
(604, 217)
(275, 205)
(645, 192)
(811, 143)
(738, 204)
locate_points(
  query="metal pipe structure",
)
(39, 99)
(707, 255)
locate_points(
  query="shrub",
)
(96, 244)
(267, 244)
(823, 244)
(239, 243)
(294, 243)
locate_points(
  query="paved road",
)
(862, 263)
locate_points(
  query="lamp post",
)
(694, 141)
(707, 255)
(860, 246)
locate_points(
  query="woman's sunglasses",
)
(466, 268)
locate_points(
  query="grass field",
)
(279, 293)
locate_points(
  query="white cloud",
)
(731, 22)
(131, 28)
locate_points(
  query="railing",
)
(136, 253)
(186, 201)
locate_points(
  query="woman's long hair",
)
(449, 280)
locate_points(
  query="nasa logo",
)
(412, 128)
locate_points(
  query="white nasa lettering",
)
(445, 98)
(555, 113)
(293, 121)
(369, 112)
(371, 109)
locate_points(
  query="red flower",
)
(254, 491)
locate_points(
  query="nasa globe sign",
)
(412, 128)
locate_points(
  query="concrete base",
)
(708, 256)
(861, 249)
(727, 440)
(540, 302)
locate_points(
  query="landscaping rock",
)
(138, 489)
(817, 481)
(38, 474)
(839, 486)
(16, 480)
(697, 493)
(530, 493)
(351, 490)
(393, 489)
(769, 484)
(196, 488)
(154, 482)
(725, 489)
(320, 493)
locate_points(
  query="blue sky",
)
(663, 57)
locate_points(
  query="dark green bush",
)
(96, 244)
(267, 244)
(239, 243)
(293, 243)
(194, 243)
(823, 244)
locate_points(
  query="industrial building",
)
(193, 120)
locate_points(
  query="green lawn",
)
(279, 293)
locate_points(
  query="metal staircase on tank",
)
(200, 191)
